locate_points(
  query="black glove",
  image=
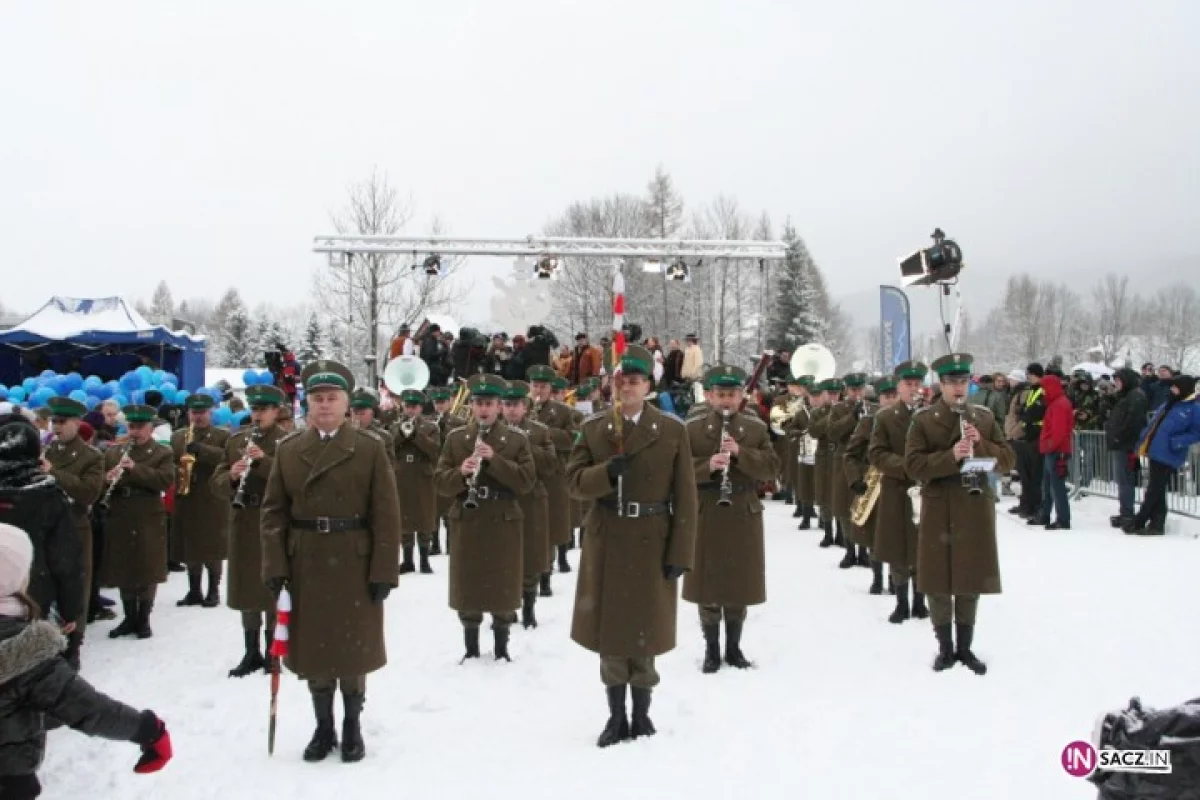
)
(275, 585)
(617, 466)
(671, 572)
(859, 487)
(193, 448)
(379, 592)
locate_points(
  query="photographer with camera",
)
(956, 544)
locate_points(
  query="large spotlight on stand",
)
(678, 271)
(545, 267)
(432, 265)
(938, 264)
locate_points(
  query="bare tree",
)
(1176, 325)
(370, 290)
(1114, 310)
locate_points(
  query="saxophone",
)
(187, 463)
(864, 505)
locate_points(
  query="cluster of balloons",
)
(258, 377)
(91, 391)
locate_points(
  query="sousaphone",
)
(404, 373)
(814, 359)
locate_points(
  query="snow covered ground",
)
(842, 704)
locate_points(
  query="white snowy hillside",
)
(842, 703)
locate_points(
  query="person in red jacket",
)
(1058, 430)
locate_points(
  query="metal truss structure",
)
(554, 247)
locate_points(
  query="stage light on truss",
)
(546, 267)
(679, 271)
(432, 265)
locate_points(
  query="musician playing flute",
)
(731, 453)
(249, 456)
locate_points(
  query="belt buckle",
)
(633, 510)
(483, 493)
(323, 525)
(408, 459)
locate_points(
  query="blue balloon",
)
(120, 399)
(29, 384)
(91, 402)
(47, 373)
(222, 416)
(73, 381)
(181, 396)
(168, 387)
(3, 392)
(145, 371)
(92, 380)
(265, 378)
(130, 381)
(79, 396)
(250, 377)
(137, 397)
(17, 394)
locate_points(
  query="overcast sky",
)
(207, 142)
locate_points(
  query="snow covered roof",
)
(63, 318)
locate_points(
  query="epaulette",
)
(372, 434)
(531, 422)
(594, 417)
(671, 418)
(515, 429)
(287, 438)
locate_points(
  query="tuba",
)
(187, 464)
(814, 359)
(405, 373)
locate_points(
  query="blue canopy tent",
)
(97, 336)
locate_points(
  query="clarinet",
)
(726, 497)
(239, 497)
(104, 501)
(472, 500)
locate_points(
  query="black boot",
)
(848, 560)
(435, 546)
(617, 728)
(501, 642)
(353, 748)
(129, 625)
(965, 633)
(828, 540)
(447, 539)
(213, 598)
(544, 585)
(571, 542)
(805, 521)
(407, 566)
(175, 566)
(471, 640)
(733, 646)
(324, 738)
(840, 538)
(945, 657)
(74, 644)
(919, 611)
(799, 512)
(144, 608)
(563, 564)
(641, 725)
(252, 661)
(712, 648)
(876, 577)
(425, 568)
(902, 611)
(194, 597)
(528, 601)
(864, 558)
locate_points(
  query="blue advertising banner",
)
(895, 343)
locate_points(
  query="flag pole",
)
(618, 349)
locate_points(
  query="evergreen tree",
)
(313, 345)
(262, 341)
(162, 306)
(237, 341)
(337, 341)
(799, 313)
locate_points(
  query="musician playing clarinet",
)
(731, 453)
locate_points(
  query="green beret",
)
(139, 413)
(412, 397)
(65, 407)
(326, 374)
(855, 380)
(364, 398)
(200, 402)
(886, 384)
(637, 360)
(953, 365)
(516, 390)
(540, 373)
(559, 384)
(911, 370)
(724, 375)
(263, 395)
(487, 385)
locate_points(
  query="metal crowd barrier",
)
(1093, 472)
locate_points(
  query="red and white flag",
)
(618, 344)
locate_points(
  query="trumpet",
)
(726, 496)
(239, 497)
(187, 463)
(112, 484)
(407, 426)
(472, 500)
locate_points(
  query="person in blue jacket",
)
(1172, 431)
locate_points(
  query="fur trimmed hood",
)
(38, 642)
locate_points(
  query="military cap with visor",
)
(441, 393)
(911, 370)
(516, 390)
(637, 360)
(724, 376)
(884, 385)
(412, 397)
(954, 365)
(540, 373)
(139, 413)
(326, 374)
(486, 385)
(198, 402)
(65, 407)
(364, 398)
(559, 384)
(263, 395)
(855, 380)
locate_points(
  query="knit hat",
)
(1035, 370)
(16, 555)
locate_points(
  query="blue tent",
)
(97, 336)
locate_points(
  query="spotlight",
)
(938, 264)
(679, 271)
(546, 267)
(432, 265)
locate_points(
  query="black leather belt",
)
(635, 510)
(330, 524)
(488, 493)
(737, 488)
